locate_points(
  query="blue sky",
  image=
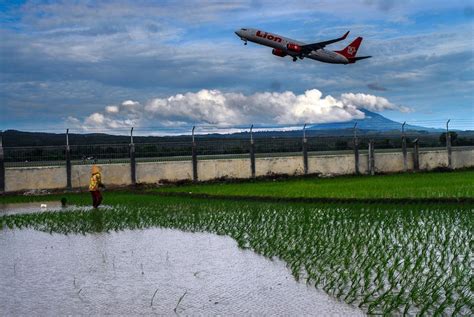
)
(109, 65)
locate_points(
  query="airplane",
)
(283, 46)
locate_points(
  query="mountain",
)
(372, 122)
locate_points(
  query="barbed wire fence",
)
(245, 145)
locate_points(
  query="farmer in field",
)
(94, 186)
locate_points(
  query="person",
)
(94, 186)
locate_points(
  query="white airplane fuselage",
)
(281, 43)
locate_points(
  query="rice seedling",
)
(386, 259)
(434, 185)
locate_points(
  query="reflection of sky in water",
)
(118, 273)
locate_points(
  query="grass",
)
(386, 259)
(435, 185)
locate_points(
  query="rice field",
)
(434, 185)
(385, 259)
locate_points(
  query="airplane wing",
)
(316, 46)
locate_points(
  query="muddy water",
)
(119, 272)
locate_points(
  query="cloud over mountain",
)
(214, 107)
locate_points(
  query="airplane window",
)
(244, 29)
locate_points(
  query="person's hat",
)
(95, 169)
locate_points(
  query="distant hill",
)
(372, 122)
(20, 138)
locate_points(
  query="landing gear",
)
(245, 43)
(294, 59)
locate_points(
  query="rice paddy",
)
(434, 185)
(385, 259)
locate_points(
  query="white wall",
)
(27, 178)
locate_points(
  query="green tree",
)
(442, 137)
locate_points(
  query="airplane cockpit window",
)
(243, 29)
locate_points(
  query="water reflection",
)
(146, 272)
(384, 259)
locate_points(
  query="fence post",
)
(305, 151)
(2, 165)
(252, 153)
(404, 148)
(356, 150)
(448, 145)
(371, 158)
(68, 163)
(132, 160)
(416, 155)
(194, 158)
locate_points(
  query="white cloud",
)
(95, 119)
(214, 107)
(371, 102)
(112, 109)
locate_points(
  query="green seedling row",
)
(434, 185)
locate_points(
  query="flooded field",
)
(392, 259)
(119, 273)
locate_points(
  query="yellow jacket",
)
(96, 179)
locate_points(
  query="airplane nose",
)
(237, 33)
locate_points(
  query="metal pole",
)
(356, 149)
(371, 158)
(133, 171)
(404, 148)
(252, 153)
(448, 145)
(194, 158)
(2, 165)
(416, 155)
(305, 151)
(68, 163)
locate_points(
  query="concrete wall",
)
(291, 165)
(212, 169)
(328, 165)
(464, 158)
(28, 178)
(433, 159)
(392, 162)
(150, 173)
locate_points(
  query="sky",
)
(158, 65)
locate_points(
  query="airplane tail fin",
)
(351, 50)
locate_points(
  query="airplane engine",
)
(294, 48)
(278, 52)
